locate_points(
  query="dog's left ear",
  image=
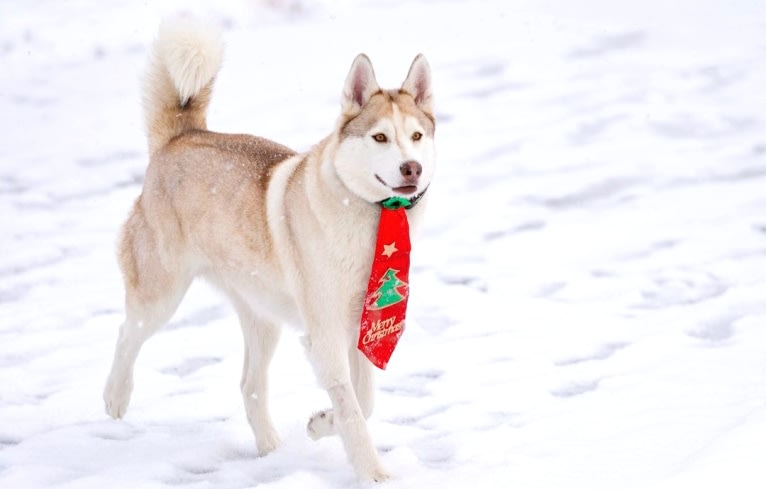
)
(418, 83)
(360, 85)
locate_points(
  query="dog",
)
(287, 237)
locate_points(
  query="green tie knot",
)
(394, 203)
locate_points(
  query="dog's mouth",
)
(403, 189)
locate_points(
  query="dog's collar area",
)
(397, 202)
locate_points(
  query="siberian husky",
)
(287, 237)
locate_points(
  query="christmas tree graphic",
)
(388, 293)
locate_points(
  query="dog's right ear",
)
(360, 85)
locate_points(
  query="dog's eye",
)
(416, 136)
(380, 138)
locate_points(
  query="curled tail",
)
(179, 81)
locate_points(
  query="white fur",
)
(359, 160)
(192, 53)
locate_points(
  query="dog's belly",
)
(263, 293)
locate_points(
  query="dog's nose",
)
(411, 170)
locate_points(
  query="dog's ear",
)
(418, 83)
(360, 85)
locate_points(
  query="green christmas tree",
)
(387, 294)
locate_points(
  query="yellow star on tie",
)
(389, 249)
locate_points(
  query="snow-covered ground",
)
(588, 299)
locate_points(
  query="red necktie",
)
(385, 304)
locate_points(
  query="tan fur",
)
(380, 104)
(286, 237)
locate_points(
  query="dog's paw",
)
(267, 442)
(117, 397)
(321, 424)
(378, 474)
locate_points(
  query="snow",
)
(587, 302)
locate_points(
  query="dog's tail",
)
(179, 81)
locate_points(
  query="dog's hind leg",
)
(261, 339)
(153, 289)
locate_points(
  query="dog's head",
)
(386, 145)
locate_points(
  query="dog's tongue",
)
(385, 304)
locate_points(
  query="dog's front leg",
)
(362, 375)
(322, 424)
(352, 428)
(328, 345)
